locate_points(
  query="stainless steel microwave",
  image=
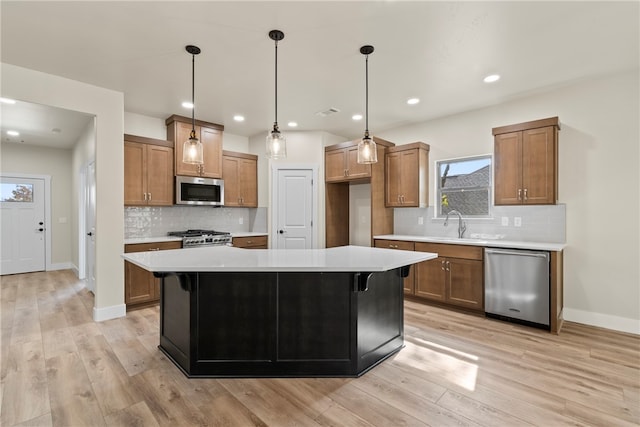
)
(199, 191)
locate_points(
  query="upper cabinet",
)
(341, 162)
(210, 134)
(407, 175)
(240, 174)
(148, 171)
(526, 163)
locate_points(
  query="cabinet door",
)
(539, 166)
(430, 279)
(408, 173)
(134, 174)
(230, 173)
(140, 285)
(410, 280)
(335, 166)
(183, 130)
(212, 152)
(507, 164)
(159, 175)
(465, 283)
(249, 183)
(393, 185)
(356, 170)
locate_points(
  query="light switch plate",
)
(241, 220)
(517, 221)
(505, 221)
(420, 220)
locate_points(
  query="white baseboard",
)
(61, 266)
(111, 312)
(617, 323)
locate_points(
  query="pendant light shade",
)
(192, 148)
(276, 142)
(367, 150)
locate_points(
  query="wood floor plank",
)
(41, 421)
(138, 414)
(226, 410)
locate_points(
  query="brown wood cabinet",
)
(341, 163)
(148, 172)
(253, 242)
(140, 287)
(240, 174)
(337, 193)
(407, 176)
(409, 281)
(526, 163)
(210, 134)
(456, 277)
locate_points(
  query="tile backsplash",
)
(542, 223)
(149, 221)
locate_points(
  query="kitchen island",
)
(231, 312)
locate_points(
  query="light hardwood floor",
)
(60, 368)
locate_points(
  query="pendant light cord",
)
(275, 124)
(193, 91)
(366, 90)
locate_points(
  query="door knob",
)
(281, 231)
(40, 229)
(89, 234)
(41, 223)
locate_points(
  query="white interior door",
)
(294, 225)
(90, 227)
(22, 214)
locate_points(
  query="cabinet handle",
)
(448, 266)
(149, 199)
(519, 194)
(144, 196)
(249, 242)
(154, 249)
(393, 246)
(403, 199)
(525, 194)
(443, 264)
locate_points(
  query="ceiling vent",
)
(327, 112)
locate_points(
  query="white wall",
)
(152, 127)
(598, 181)
(108, 106)
(29, 159)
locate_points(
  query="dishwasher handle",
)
(516, 252)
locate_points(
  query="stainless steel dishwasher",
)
(516, 285)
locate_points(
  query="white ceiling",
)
(437, 51)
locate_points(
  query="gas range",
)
(196, 238)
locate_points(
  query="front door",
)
(22, 213)
(294, 229)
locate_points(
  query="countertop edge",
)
(545, 246)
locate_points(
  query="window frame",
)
(438, 189)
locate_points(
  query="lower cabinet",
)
(456, 277)
(253, 242)
(409, 281)
(140, 287)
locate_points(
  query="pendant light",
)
(276, 142)
(367, 151)
(192, 148)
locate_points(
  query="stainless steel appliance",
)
(516, 285)
(199, 191)
(198, 238)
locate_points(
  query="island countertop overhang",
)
(230, 259)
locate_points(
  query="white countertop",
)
(230, 259)
(135, 240)
(248, 233)
(492, 243)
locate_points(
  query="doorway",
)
(87, 226)
(24, 216)
(293, 207)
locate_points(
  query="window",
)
(16, 192)
(464, 185)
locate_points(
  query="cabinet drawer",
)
(451, 251)
(158, 246)
(394, 244)
(250, 242)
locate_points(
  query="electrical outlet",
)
(505, 221)
(420, 220)
(517, 221)
(241, 220)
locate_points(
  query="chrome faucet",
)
(462, 227)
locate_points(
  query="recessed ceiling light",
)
(56, 130)
(413, 101)
(187, 104)
(492, 78)
(238, 118)
(292, 124)
(7, 101)
(13, 133)
(356, 117)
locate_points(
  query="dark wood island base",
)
(281, 324)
